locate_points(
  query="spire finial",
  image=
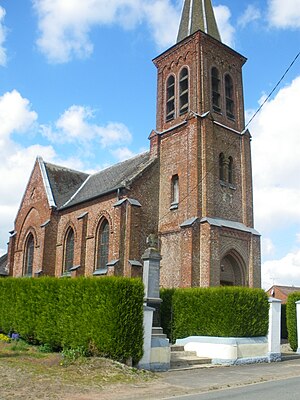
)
(198, 14)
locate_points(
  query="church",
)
(192, 190)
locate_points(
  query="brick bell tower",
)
(205, 197)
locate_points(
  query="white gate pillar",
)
(298, 324)
(274, 334)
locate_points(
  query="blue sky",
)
(77, 86)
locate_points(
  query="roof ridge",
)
(66, 168)
(120, 163)
(77, 191)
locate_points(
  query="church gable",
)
(36, 194)
(63, 182)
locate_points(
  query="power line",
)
(272, 91)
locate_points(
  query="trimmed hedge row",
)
(284, 332)
(105, 315)
(291, 319)
(222, 311)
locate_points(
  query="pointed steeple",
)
(198, 14)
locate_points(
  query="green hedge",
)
(105, 315)
(166, 311)
(284, 332)
(222, 311)
(291, 319)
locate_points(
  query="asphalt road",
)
(285, 389)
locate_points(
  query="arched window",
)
(230, 170)
(29, 252)
(183, 91)
(229, 96)
(69, 250)
(215, 89)
(221, 167)
(170, 106)
(103, 245)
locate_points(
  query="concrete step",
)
(158, 333)
(181, 359)
(178, 355)
(176, 347)
(189, 362)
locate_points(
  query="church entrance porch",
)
(232, 270)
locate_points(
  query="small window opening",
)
(170, 98)
(175, 191)
(230, 170)
(183, 91)
(221, 167)
(215, 87)
(229, 97)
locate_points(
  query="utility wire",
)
(272, 91)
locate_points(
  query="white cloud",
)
(15, 114)
(75, 126)
(3, 56)
(65, 26)
(276, 161)
(285, 271)
(164, 32)
(267, 245)
(123, 153)
(227, 31)
(284, 14)
(251, 14)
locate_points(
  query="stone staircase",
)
(181, 359)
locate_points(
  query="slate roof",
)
(64, 182)
(110, 179)
(3, 263)
(198, 15)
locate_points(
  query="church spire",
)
(198, 14)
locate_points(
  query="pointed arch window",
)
(215, 88)
(221, 167)
(229, 96)
(29, 253)
(170, 106)
(103, 245)
(183, 91)
(69, 250)
(230, 170)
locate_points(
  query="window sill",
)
(174, 206)
(228, 185)
(231, 117)
(66, 274)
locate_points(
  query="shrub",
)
(166, 311)
(291, 319)
(222, 311)
(104, 314)
(284, 333)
